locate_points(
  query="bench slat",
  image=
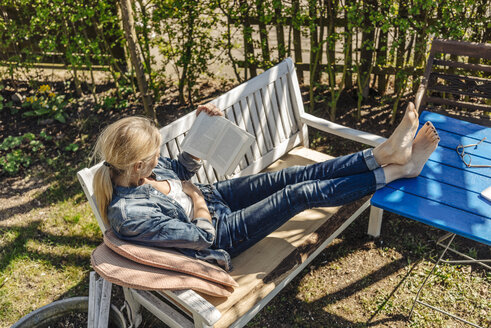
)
(284, 110)
(253, 85)
(247, 116)
(258, 131)
(277, 110)
(240, 121)
(262, 119)
(272, 116)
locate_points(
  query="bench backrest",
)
(456, 76)
(268, 106)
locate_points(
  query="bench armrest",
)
(342, 131)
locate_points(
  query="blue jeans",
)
(247, 209)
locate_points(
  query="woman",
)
(148, 199)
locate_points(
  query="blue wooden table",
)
(446, 194)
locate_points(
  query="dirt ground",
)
(356, 282)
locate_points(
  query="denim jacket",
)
(146, 216)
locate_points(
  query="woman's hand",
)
(209, 109)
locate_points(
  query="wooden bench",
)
(456, 83)
(270, 107)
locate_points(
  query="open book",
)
(217, 140)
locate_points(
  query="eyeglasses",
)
(466, 157)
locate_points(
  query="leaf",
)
(60, 118)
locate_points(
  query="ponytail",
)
(103, 191)
(121, 145)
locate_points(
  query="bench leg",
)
(133, 308)
(99, 301)
(375, 222)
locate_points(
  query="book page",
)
(230, 148)
(226, 150)
(203, 135)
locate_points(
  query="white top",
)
(177, 194)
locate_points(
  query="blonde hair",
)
(121, 145)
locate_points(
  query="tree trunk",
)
(366, 51)
(297, 40)
(401, 49)
(280, 34)
(135, 55)
(249, 59)
(263, 32)
(348, 38)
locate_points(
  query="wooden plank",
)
(375, 221)
(246, 115)
(210, 173)
(280, 122)
(173, 149)
(296, 101)
(259, 134)
(460, 85)
(447, 194)
(461, 48)
(270, 117)
(472, 179)
(468, 66)
(97, 298)
(251, 86)
(195, 304)
(456, 91)
(285, 109)
(442, 122)
(449, 158)
(105, 304)
(164, 151)
(240, 122)
(440, 216)
(85, 178)
(451, 141)
(342, 131)
(263, 123)
(462, 104)
(161, 310)
(288, 95)
(91, 312)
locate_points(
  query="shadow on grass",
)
(413, 241)
(63, 185)
(17, 248)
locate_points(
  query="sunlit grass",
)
(45, 254)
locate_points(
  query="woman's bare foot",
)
(423, 146)
(428, 128)
(397, 149)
